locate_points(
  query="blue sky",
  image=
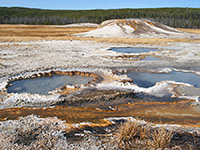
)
(99, 4)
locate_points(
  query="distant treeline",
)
(174, 17)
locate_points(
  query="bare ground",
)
(20, 54)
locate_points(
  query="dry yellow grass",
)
(161, 138)
(132, 135)
(38, 32)
(45, 32)
(190, 30)
(154, 41)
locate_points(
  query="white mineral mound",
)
(133, 28)
(94, 25)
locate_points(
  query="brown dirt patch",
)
(157, 112)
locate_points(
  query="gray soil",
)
(22, 57)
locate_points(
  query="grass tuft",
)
(132, 135)
(160, 138)
(127, 132)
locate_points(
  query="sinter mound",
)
(134, 28)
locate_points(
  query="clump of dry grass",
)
(126, 133)
(132, 135)
(160, 138)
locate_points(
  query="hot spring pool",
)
(44, 85)
(146, 79)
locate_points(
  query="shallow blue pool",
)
(45, 84)
(133, 50)
(151, 58)
(146, 79)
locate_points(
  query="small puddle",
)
(151, 58)
(146, 79)
(137, 58)
(44, 85)
(133, 50)
(136, 50)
